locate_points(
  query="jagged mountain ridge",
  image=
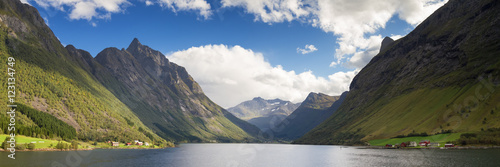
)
(167, 98)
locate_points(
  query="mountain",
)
(57, 95)
(316, 108)
(120, 95)
(442, 76)
(263, 113)
(166, 98)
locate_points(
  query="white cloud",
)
(230, 75)
(415, 11)
(351, 21)
(270, 11)
(201, 6)
(86, 9)
(46, 21)
(307, 49)
(102, 9)
(396, 37)
(25, 2)
(368, 48)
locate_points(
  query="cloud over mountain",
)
(230, 75)
(352, 22)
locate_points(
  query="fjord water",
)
(259, 155)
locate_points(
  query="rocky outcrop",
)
(386, 43)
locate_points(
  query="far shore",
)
(443, 148)
(359, 147)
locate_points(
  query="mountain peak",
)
(257, 99)
(134, 44)
(319, 100)
(386, 42)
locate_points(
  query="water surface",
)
(258, 155)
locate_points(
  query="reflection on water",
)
(259, 155)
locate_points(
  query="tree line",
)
(47, 126)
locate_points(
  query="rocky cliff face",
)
(413, 83)
(166, 97)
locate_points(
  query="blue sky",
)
(188, 31)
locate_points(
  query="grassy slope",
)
(430, 110)
(49, 81)
(48, 143)
(425, 110)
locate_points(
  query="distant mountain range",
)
(120, 95)
(263, 113)
(316, 108)
(442, 76)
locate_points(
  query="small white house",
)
(146, 143)
(434, 145)
(413, 144)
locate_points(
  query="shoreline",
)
(440, 148)
(358, 147)
(80, 149)
(50, 149)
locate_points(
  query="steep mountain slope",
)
(57, 98)
(442, 76)
(263, 113)
(166, 98)
(315, 109)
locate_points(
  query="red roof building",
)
(424, 143)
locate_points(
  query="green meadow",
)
(40, 143)
(440, 138)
